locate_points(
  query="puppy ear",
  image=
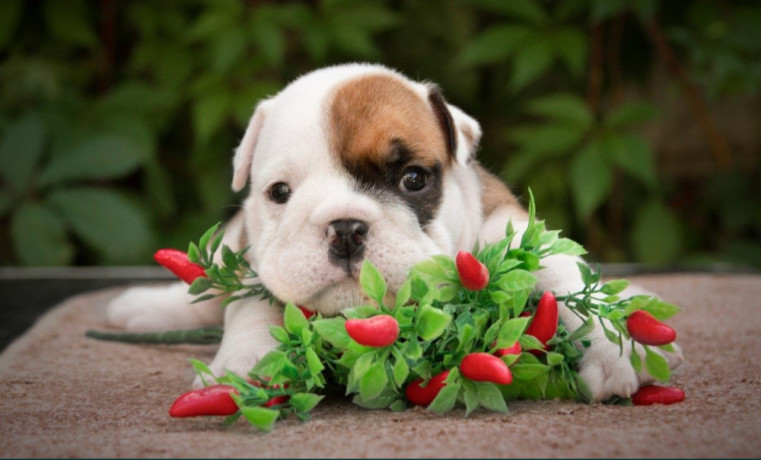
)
(461, 131)
(244, 154)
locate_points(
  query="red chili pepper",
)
(177, 262)
(307, 313)
(276, 400)
(654, 394)
(377, 331)
(473, 274)
(211, 400)
(483, 367)
(545, 322)
(423, 396)
(645, 329)
(513, 350)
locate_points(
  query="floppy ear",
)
(461, 131)
(244, 154)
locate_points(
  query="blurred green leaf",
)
(531, 61)
(270, 41)
(571, 45)
(547, 139)
(562, 107)
(528, 10)
(656, 235)
(103, 156)
(635, 157)
(631, 114)
(21, 148)
(10, 13)
(209, 113)
(103, 219)
(604, 9)
(493, 45)
(39, 237)
(70, 22)
(590, 179)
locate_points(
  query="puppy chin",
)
(331, 300)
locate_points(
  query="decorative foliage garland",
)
(472, 331)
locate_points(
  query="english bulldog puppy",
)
(348, 163)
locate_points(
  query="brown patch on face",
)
(382, 131)
(370, 113)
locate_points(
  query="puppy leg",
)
(161, 308)
(247, 338)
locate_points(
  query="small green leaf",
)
(656, 365)
(564, 107)
(470, 395)
(531, 61)
(490, 397)
(305, 402)
(614, 287)
(528, 371)
(412, 349)
(200, 285)
(279, 334)
(631, 114)
(582, 330)
(403, 294)
(333, 330)
(635, 360)
(568, 247)
(21, 148)
(591, 178)
(635, 157)
(372, 282)
(588, 276)
(446, 399)
(39, 236)
(400, 371)
(517, 280)
(554, 359)
(263, 419)
(431, 322)
(294, 319)
(511, 331)
(313, 362)
(374, 381)
(201, 369)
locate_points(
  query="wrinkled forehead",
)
(354, 116)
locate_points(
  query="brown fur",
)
(495, 194)
(369, 114)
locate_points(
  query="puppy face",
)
(351, 163)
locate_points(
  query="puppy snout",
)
(347, 240)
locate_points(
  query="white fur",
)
(287, 141)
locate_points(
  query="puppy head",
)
(350, 163)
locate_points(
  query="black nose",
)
(347, 240)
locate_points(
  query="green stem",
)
(200, 336)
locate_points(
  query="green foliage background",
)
(118, 119)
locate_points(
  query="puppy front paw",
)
(239, 359)
(607, 372)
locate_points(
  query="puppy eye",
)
(280, 192)
(414, 179)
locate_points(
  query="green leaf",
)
(102, 156)
(531, 61)
(631, 114)
(659, 309)
(571, 47)
(614, 287)
(588, 276)
(582, 330)
(374, 381)
(403, 295)
(656, 235)
(635, 361)
(294, 319)
(400, 371)
(554, 359)
(517, 280)
(200, 285)
(511, 331)
(270, 41)
(591, 178)
(565, 107)
(431, 322)
(201, 369)
(313, 362)
(490, 397)
(547, 140)
(333, 330)
(529, 342)
(40, 237)
(21, 148)
(279, 334)
(470, 396)
(527, 371)
(634, 156)
(106, 221)
(412, 349)
(69, 21)
(372, 282)
(656, 365)
(446, 399)
(209, 112)
(262, 418)
(492, 46)
(305, 402)
(10, 13)
(568, 247)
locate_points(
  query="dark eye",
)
(280, 192)
(414, 179)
